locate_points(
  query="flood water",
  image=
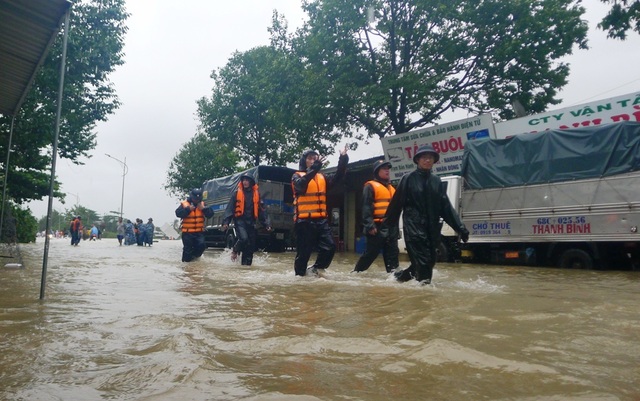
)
(134, 323)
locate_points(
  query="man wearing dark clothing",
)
(245, 209)
(376, 196)
(193, 213)
(76, 231)
(423, 199)
(310, 200)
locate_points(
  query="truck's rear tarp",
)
(223, 187)
(552, 156)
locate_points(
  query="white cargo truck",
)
(566, 198)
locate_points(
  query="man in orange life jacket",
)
(76, 230)
(376, 196)
(310, 201)
(245, 209)
(193, 213)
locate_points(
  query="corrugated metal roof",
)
(27, 29)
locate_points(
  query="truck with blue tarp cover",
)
(567, 198)
(276, 197)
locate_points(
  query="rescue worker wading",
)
(193, 213)
(310, 201)
(376, 196)
(422, 200)
(244, 208)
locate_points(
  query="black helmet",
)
(303, 158)
(249, 177)
(426, 149)
(196, 195)
(378, 165)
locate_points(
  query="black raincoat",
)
(423, 200)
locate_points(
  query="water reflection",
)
(130, 323)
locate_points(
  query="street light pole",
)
(125, 170)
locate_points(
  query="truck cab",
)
(448, 249)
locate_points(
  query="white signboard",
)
(447, 139)
(598, 112)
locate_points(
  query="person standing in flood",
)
(150, 229)
(76, 230)
(376, 196)
(310, 202)
(193, 212)
(120, 230)
(422, 200)
(245, 209)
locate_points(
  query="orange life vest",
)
(382, 195)
(313, 203)
(194, 222)
(240, 201)
(75, 225)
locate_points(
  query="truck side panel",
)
(606, 209)
(568, 198)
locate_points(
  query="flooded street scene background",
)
(135, 323)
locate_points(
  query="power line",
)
(599, 96)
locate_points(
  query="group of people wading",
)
(420, 198)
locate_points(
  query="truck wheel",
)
(575, 259)
(231, 240)
(442, 253)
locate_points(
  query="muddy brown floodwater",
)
(134, 323)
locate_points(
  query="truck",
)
(276, 196)
(567, 198)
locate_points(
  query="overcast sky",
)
(170, 50)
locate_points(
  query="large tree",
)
(266, 105)
(400, 64)
(200, 159)
(623, 16)
(95, 42)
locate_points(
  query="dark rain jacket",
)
(247, 216)
(368, 197)
(423, 198)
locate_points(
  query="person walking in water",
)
(376, 196)
(76, 230)
(245, 209)
(120, 230)
(193, 213)
(310, 202)
(422, 200)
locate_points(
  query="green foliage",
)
(59, 221)
(19, 225)
(200, 159)
(623, 16)
(400, 64)
(96, 39)
(62, 220)
(380, 67)
(265, 105)
(109, 225)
